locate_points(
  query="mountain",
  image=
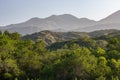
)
(113, 18)
(110, 22)
(100, 27)
(64, 23)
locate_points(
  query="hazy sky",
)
(15, 11)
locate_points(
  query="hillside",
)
(80, 59)
(52, 37)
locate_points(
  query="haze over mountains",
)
(64, 23)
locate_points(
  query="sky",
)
(16, 11)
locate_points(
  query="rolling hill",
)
(51, 37)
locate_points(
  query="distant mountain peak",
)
(68, 16)
(34, 18)
(85, 19)
(64, 23)
(117, 12)
(113, 18)
(51, 17)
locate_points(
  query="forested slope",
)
(78, 59)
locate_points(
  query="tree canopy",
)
(80, 59)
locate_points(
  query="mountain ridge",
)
(66, 22)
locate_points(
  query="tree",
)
(15, 36)
(100, 52)
(6, 33)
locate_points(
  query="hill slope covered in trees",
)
(51, 37)
(79, 59)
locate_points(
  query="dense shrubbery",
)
(83, 59)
